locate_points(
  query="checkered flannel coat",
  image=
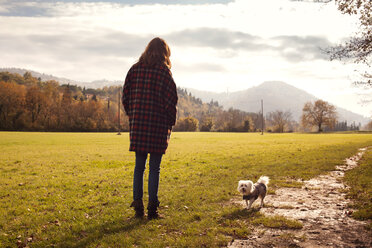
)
(150, 98)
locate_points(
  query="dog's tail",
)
(264, 179)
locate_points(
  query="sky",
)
(216, 45)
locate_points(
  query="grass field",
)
(360, 180)
(74, 189)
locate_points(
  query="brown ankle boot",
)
(138, 207)
(153, 211)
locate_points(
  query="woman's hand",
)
(169, 134)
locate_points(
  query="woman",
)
(150, 99)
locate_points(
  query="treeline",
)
(27, 103)
(343, 126)
(194, 115)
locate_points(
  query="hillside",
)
(45, 77)
(277, 96)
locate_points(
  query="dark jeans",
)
(153, 185)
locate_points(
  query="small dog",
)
(252, 191)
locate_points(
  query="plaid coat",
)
(150, 98)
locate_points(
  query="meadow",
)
(74, 189)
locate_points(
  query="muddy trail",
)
(320, 205)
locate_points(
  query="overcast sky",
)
(216, 45)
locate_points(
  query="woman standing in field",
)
(150, 99)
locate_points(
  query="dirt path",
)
(320, 207)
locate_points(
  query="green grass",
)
(277, 222)
(360, 182)
(74, 189)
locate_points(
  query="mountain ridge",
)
(277, 95)
(46, 77)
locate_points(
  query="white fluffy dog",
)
(252, 191)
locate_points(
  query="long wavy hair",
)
(156, 52)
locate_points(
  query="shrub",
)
(188, 124)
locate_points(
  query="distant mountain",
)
(45, 77)
(96, 84)
(42, 76)
(276, 96)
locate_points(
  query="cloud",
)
(25, 9)
(292, 48)
(75, 54)
(76, 45)
(200, 67)
(105, 47)
(101, 8)
(91, 48)
(298, 48)
(132, 2)
(217, 39)
(37, 8)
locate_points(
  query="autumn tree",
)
(29, 79)
(279, 120)
(248, 124)
(207, 124)
(359, 47)
(35, 102)
(10, 77)
(52, 104)
(188, 124)
(369, 126)
(319, 114)
(234, 120)
(12, 99)
(257, 121)
(293, 126)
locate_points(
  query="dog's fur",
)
(252, 191)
